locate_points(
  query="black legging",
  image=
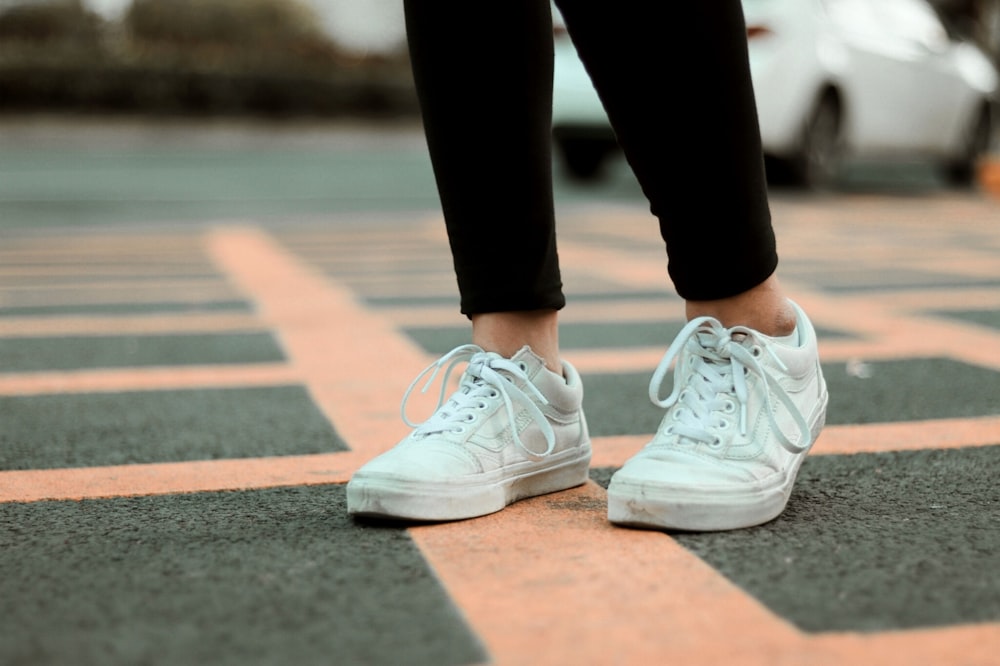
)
(675, 80)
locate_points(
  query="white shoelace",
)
(488, 377)
(718, 383)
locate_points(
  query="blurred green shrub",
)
(51, 24)
(285, 28)
(191, 57)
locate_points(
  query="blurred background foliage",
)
(269, 57)
(212, 57)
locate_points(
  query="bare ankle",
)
(764, 308)
(507, 332)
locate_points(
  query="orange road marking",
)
(630, 272)
(972, 645)
(542, 580)
(124, 293)
(401, 287)
(896, 306)
(918, 335)
(353, 362)
(147, 379)
(177, 477)
(952, 338)
(936, 298)
(105, 270)
(847, 439)
(249, 473)
(909, 435)
(181, 322)
(553, 567)
(970, 262)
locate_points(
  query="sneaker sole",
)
(694, 510)
(381, 498)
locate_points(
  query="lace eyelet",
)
(482, 405)
(716, 443)
(756, 351)
(471, 418)
(523, 366)
(722, 425)
(460, 430)
(494, 394)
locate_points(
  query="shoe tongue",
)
(742, 339)
(709, 336)
(711, 340)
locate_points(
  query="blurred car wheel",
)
(961, 172)
(837, 83)
(819, 163)
(818, 160)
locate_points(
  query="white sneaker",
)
(467, 460)
(744, 411)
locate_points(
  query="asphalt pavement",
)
(206, 327)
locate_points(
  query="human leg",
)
(515, 427)
(746, 405)
(674, 78)
(675, 81)
(764, 308)
(488, 124)
(744, 410)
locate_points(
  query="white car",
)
(834, 80)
